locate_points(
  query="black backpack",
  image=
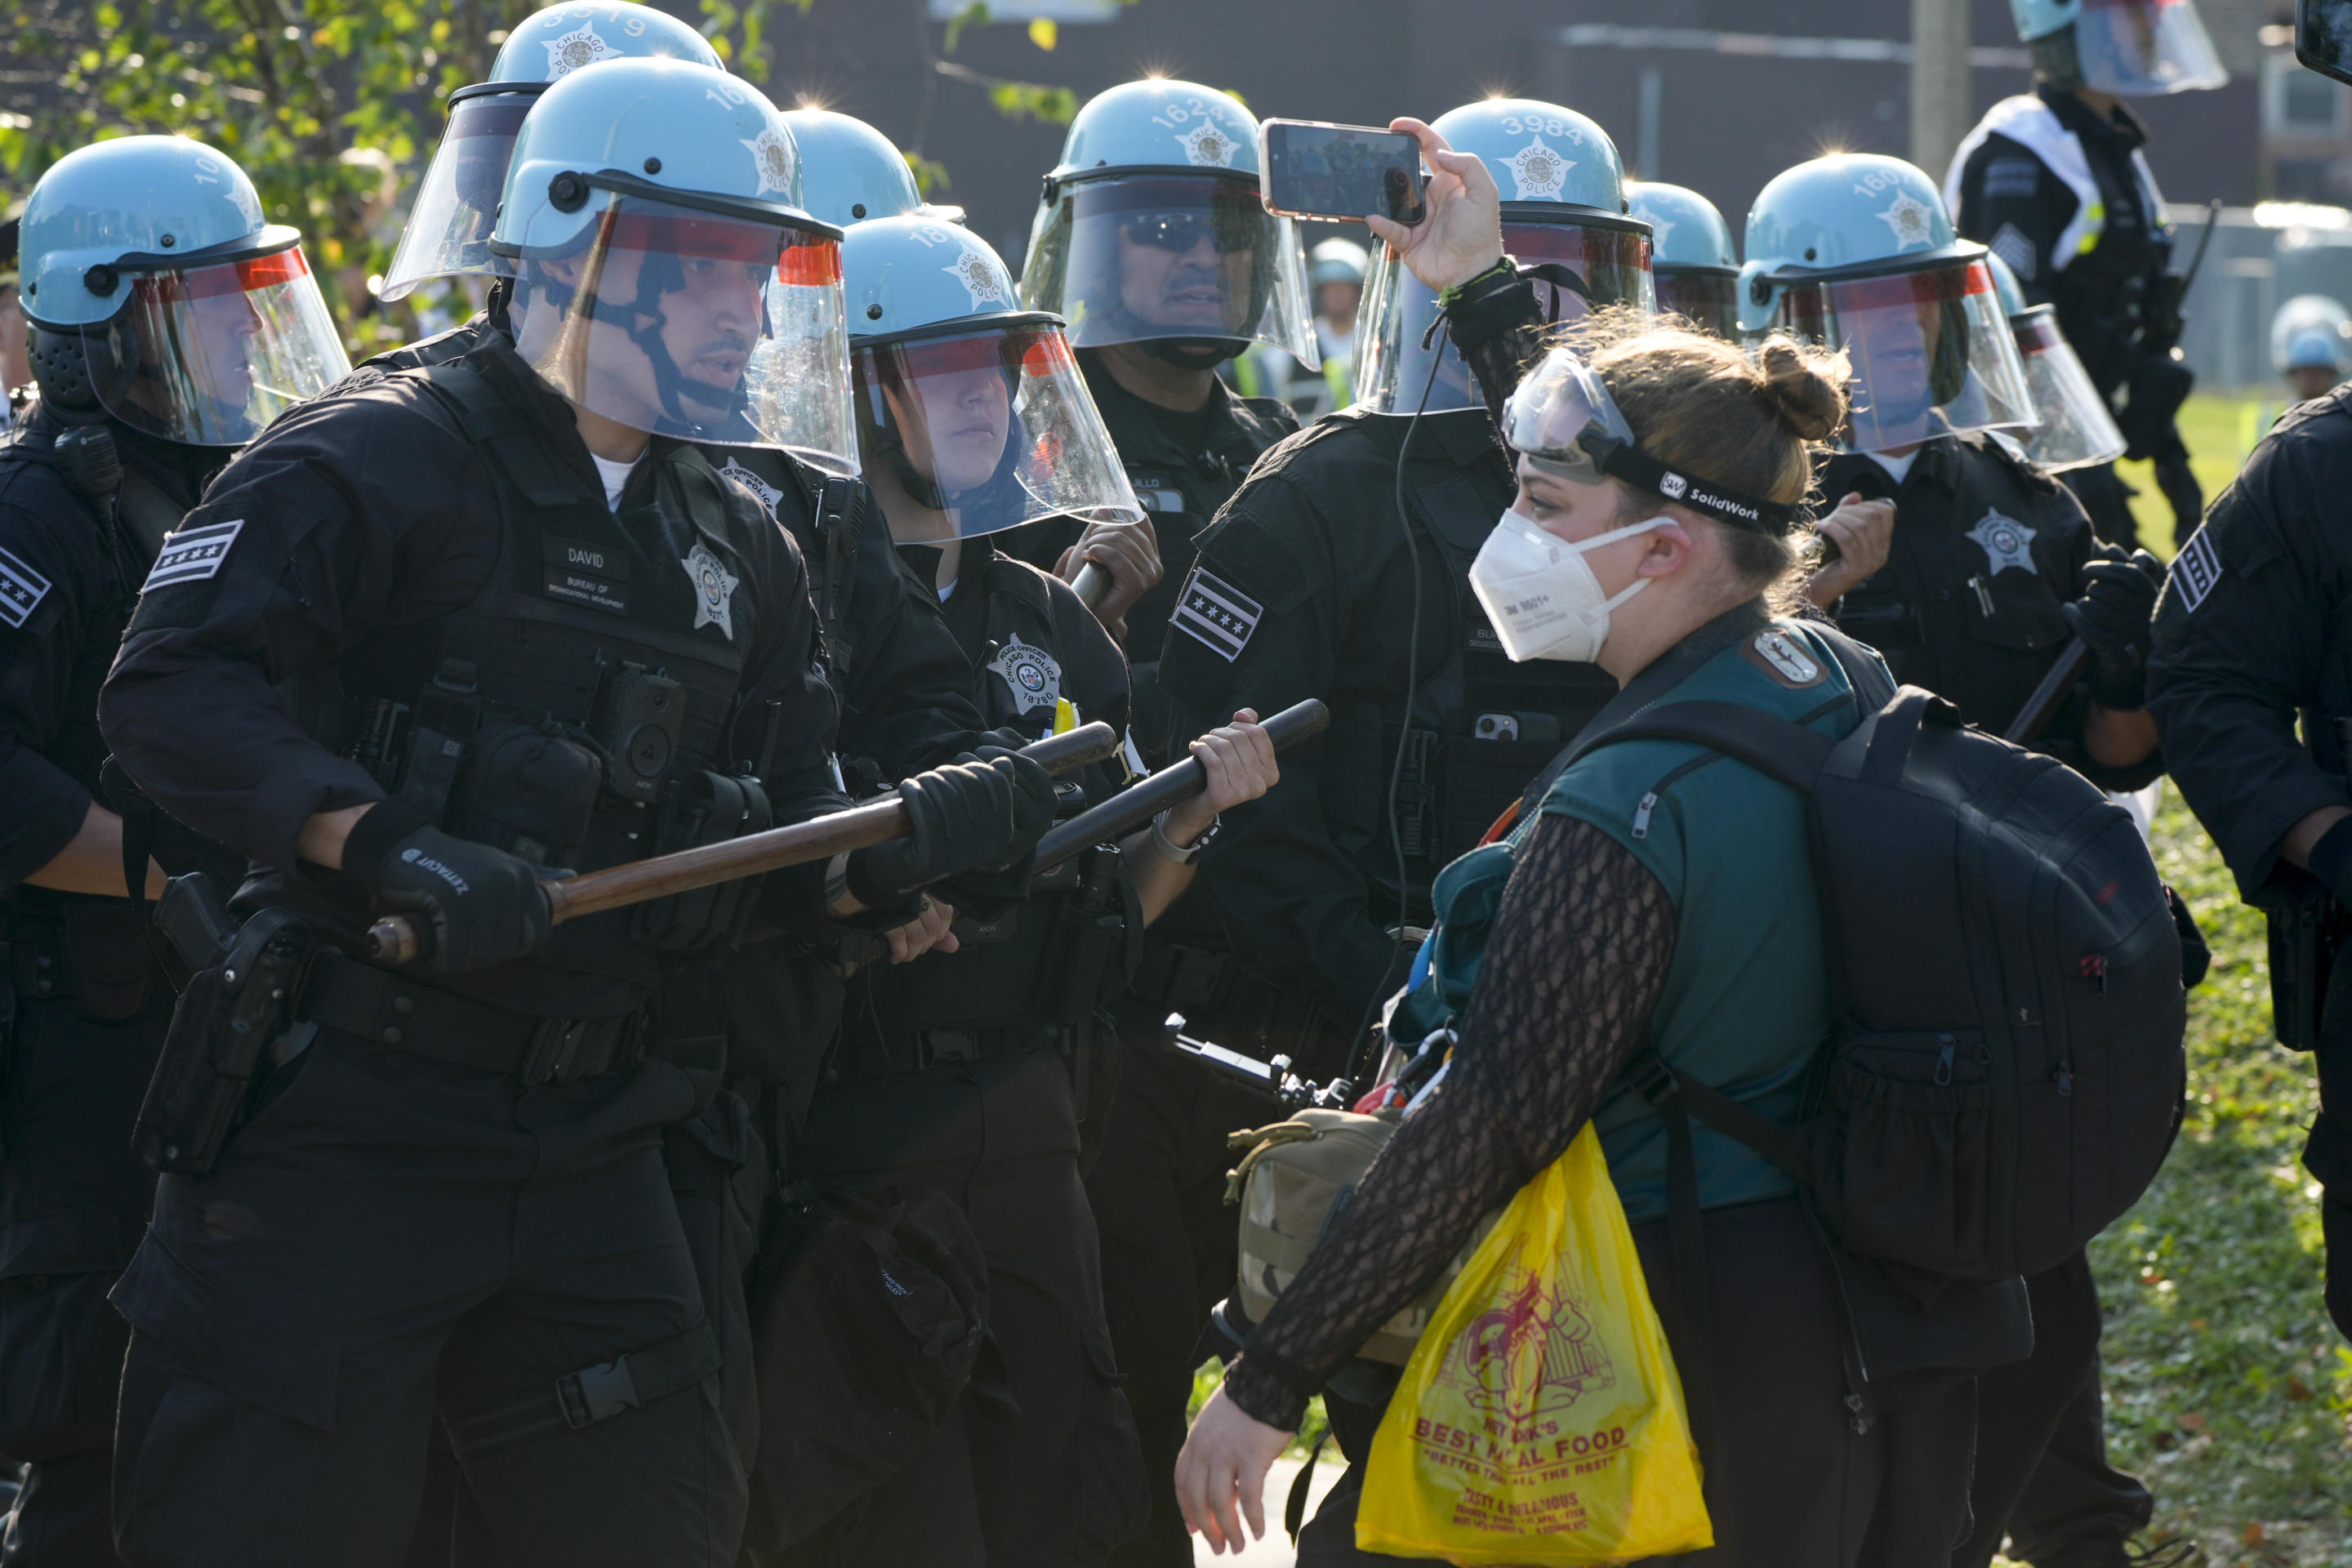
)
(2005, 1072)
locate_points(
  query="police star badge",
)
(1909, 218)
(772, 156)
(1205, 146)
(769, 494)
(2006, 543)
(714, 590)
(970, 271)
(1538, 171)
(1035, 678)
(580, 47)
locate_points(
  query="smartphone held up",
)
(1310, 169)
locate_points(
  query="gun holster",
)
(226, 1021)
(2306, 928)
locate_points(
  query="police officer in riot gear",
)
(1691, 257)
(169, 322)
(521, 624)
(1312, 584)
(1152, 243)
(2055, 182)
(1985, 568)
(969, 1071)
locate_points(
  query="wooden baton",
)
(394, 939)
(1138, 803)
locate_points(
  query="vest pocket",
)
(1910, 1178)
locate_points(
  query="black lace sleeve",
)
(1580, 947)
(1500, 330)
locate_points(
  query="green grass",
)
(2220, 432)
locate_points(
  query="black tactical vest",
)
(580, 711)
(1481, 726)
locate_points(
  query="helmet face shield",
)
(1576, 268)
(1932, 351)
(221, 349)
(694, 325)
(1708, 300)
(992, 427)
(2142, 47)
(448, 230)
(2077, 428)
(1135, 257)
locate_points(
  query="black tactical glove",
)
(985, 892)
(2112, 617)
(968, 815)
(479, 906)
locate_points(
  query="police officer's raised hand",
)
(1863, 533)
(983, 813)
(1460, 233)
(1129, 551)
(478, 907)
(2119, 593)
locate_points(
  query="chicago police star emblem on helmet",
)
(580, 47)
(1908, 218)
(1538, 171)
(714, 590)
(973, 272)
(772, 156)
(1035, 678)
(1205, 145)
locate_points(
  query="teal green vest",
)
(1745, 1005)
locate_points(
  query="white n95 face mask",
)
(1542, 597)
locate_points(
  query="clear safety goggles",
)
(2077, 428)
(1931, 350)
(991, 428)
(222, 349)
(2141, 48)
(1576, 268)
(1132, 258)
(449, 224)
(695, 324)
(1561, 419)
(1708, 300)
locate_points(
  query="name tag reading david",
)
(597, 575)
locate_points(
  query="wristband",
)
(1504, 271)
(1167, 848)
(2332, 855)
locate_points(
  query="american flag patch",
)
(2196, 569)
(1212, 611)
(21, 590)
(191, 554)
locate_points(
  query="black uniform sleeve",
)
(782, 669)
(1261, 627)
(351, 514)
(2011, 203)
(1581, 945)
(2240, 644)
(50, 578)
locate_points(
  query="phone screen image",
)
(1351, 172)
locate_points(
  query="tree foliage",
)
(329, 105)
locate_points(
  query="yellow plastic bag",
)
(1540, 1419)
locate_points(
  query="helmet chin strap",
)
(1194, 353)
(658, 276)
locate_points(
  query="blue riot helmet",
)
(1691, 255)
(849, 171)
(665, 274)
(2133, 48)
(1856, 252)
(153, 291)
(448, 230)
(973, 415)
(1150, 231)
(2076, 428)
(1564, 222)
(2311, 331)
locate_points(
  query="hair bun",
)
(1805, 386)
